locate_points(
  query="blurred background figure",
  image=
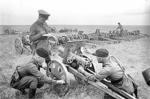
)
(119, 28)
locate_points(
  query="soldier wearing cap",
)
(37, 30)
(112, 72)
(119, 28)
(28, 76)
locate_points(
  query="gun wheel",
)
(57, 70)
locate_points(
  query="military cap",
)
(101, 53)
(36, 58)
(42, 12)
(43, 53)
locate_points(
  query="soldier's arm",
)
(81, 69)
(35, 33)
(48, 80)
(35, 72)
(104, 73)
(121, 27)
(117, 27)
(37, 36)
(46, 27)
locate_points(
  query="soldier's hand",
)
(60, 82)
(42, 32)
(92, 78)
(86, 50)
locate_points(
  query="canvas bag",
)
(15, 77)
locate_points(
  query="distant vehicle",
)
(22, 43)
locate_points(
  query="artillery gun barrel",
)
(82, 61)
(95, 84)
(117, 90)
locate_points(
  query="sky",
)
(76, 12)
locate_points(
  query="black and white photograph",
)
(75, 49)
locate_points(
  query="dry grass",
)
(8, 59)
(131, 53)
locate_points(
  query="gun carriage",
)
(62, 67)
(64, 63)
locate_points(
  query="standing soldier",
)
(37, 30)
(113, 72)
(28, 76)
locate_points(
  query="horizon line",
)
(74, 24)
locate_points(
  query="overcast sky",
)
(76, 12)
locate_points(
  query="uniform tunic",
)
(114, 73)
(31, 77)
(30, 69)
(110, 71)
(36, 38)
(120, 28)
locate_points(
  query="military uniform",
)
(114, 73)
(30, 77)
(120, 29)
(37, 29)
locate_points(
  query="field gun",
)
(77, 59)
(80, 59)
(88, 66)
(115, 89)
(62, 68)
(98, 85)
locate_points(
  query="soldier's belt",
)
(117, 81)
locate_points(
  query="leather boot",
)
(47, 60)
(32, 93)
(23, 92)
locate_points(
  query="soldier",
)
(113, 72)
(119, 28)
(37, 30)
(28, 76)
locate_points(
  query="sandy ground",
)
(135, 56)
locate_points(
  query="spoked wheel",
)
(59, 71)
(18, 46)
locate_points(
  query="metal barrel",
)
(146, 75)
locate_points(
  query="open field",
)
(135, 56)
(9, 59)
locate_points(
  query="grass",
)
(8, 59)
